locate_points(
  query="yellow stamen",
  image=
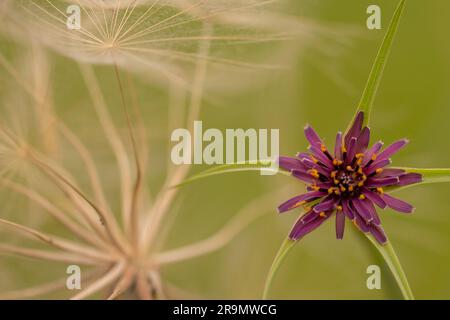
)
(359, 155)
(334, 173)
(336, 192)
(374, 157)
(298, 204)
(351, 188)
(314, 173)
(380, 190)
(349, 168)
(330, 190)
(361, 184)
(343, 189)
(362, 197)
(359, 162)
(360, 171)
(323, 148)
(335, 162)
(336, 181)
(339, 208)
(314, 159)
(379, 170)
(322, 215)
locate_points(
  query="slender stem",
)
(236, 225)
(56, 213)
(108, 278)
(282, 252)
(165, 197)
(112, 136)
(389, 255)
(429, 176)
(387, 251)
(61, 181)
(56, 242)
(262, 165)
(123, 284)
(48, 287)
(373, 83)
(89, 163)
(133, 220)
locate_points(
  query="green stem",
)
(429, 176)
(389, 255)
(260, 165)
(371, 88)
(282, 252)
(387, 252)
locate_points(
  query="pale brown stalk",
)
(47, 288)
(132, 215)
(111, 135)
(143, 288)
(59, 243)
(55, 212)
(102, 282)
(57, 256)
(241, 220)
(102, 225)
(167, 195)
(124, 284)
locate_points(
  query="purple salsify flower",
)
(348, 182)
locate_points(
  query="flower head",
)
(158, 39)
(349, 182)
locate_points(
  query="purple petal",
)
(317, 152)
(368, 206)
(374, 197)
(351, 151)
(338, 146)
(327, 204)
(379, 183)
(303, 176)
(290, 164)
(355, 129)
(397, 204)
(312, 136)
(410, 178)
(322, 185)
(340, 224)
(378, 233)
(308, 217)
(363, 140)
(360, 223)
(392, 149)
(371, 152)
(391, 173)
(378, 164)
(301, 229)
(365, 209)
(299, 200)
(348, 210)
(312, 165)
(303, 155)
(308, 163)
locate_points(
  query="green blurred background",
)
(318, 89)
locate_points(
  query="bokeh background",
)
(320, 89)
